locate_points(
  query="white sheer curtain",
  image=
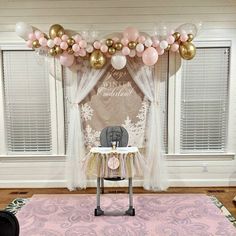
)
(80, 86)
(147, 79)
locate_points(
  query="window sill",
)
(33, 158)
(201, 157)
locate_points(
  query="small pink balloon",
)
(29, 43)
(171, 32)
(125, 51)
(82, 52)
(131, 33)
(43, 41)
(174, 47)
(104, 48)
(75, 47)
(141, 39)
(31, 36)
(160, 51)
(77, 38)
(183, 37)
(124, 41)
(170, 39)
(38, 34)
(64, 37)
(57, 41)
(139, 54)
(97, 44)
(150, 56)
(155, 42)
(115, 39)
(66, 59)
(83, 44)
(63, 45)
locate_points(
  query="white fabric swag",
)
(81, 84)
(148, 80)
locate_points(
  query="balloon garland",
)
(132, 43)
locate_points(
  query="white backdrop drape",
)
(148, 80)
(81, 84)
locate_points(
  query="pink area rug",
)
(156, 214)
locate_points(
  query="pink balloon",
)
(155, 41)
(131, 33)
(66, 59)
(160, 51)
(174, 47)
(64, 37)
(77, 38)
(43, 41)
(82, 52)
(31, 36)
(141, 39)
(83, 44)
(75, 47)
(125, 51)
(64, 45)
(29, 43)
(97, 45)
(115, 39)
(104, 48)
(139, 54)
(38, 34)
(150, 56)
(124, 41)
(170, 39)
(183, 37)
(57, 41)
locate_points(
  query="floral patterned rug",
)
(156, 214)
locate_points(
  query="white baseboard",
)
(116, 184)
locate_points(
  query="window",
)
(204, 101)
(26, 103)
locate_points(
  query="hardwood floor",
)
(224, 194)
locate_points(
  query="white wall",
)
(219, 23)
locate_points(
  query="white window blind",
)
(27, 103)
(204, 101)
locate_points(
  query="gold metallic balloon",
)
(70, 50)
(70, 41)
(56, 31)
(109, 42)
(132, 45)
(97, 59)
(190, 38)
(36, 44)
(168, 47)
(58, 50)
(111, 50)
(118, 46)
(187, 50)
(52, 52)
(176, 35)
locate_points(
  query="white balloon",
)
(189, 28)
(118, 61)
(23, 30)
(148, 42)
(140, 47)
(50, 43)
(163, 44)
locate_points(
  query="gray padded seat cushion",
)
(116, 134)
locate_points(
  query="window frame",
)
(56, 106)
(174, 106)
